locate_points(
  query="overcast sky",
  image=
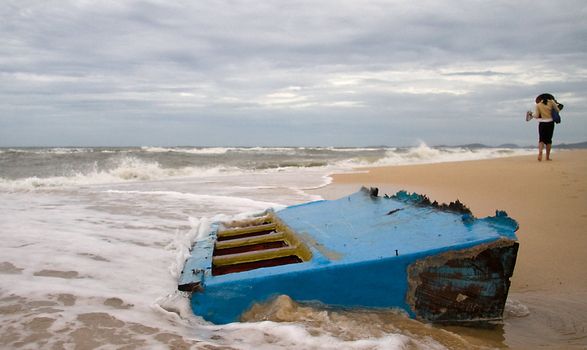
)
(291, 73)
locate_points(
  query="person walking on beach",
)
(545, 104)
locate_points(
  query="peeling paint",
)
(469, 285)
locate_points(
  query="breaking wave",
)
(424, 154)
(62, 167)
(222, 150)
(128, 169)
(210, 150)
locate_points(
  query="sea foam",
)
(128, 169)
(91, 259)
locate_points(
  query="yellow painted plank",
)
(254, 256)
(272, 237)
(244, 230)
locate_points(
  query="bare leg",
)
(548, 147)
(540, 148)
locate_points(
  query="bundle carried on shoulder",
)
(555, 116)
(554, 111)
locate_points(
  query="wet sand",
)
(549, 201)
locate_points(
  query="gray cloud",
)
(294, 73)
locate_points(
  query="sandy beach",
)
(549, 201)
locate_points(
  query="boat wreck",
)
(438, 263)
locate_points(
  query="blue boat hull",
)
(359, 252)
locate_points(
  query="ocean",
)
(93, 241)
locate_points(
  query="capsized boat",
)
(438, 263)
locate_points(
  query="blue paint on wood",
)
(361, 254)
(199, 263)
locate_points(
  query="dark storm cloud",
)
(162, 71)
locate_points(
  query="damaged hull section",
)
(436, 262)
(468, 286)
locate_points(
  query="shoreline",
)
(546, 303)
(548, 199)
